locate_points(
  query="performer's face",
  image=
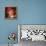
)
(11, 12)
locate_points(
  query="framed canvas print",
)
(32, 32)
(10, 12)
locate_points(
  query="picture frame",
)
(10, 13)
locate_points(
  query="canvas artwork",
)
(10, 12)
(33, 32)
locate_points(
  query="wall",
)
(6, 26)
(28, 12)
(32, 11)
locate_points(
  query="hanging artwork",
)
(32, 32)
(12, 38)
(10, 12)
